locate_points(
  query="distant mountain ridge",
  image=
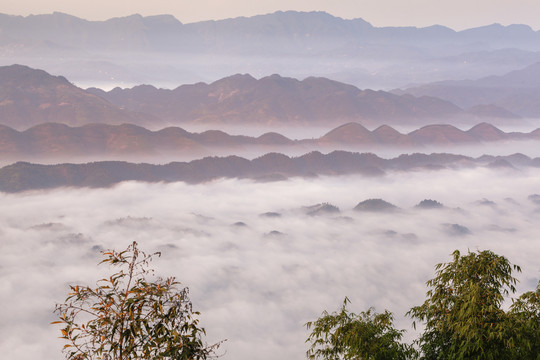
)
(291, 43)
(164, 32)
(354, 133)
(23, 176)
(517, 91)
(276, 100)
(29, 97)
(57, 141)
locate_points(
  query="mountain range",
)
(272, 100)
(23, 176)
(56, 141)
(296, 32)
(294, 44)
(517, 91)
(29, 97)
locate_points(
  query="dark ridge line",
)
(22, 176)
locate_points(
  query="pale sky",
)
(457, 14)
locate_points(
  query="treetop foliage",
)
(127, 316)
(346, 335)
(463, 312)
(463, 317)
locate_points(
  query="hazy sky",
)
(457, 14)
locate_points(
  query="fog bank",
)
(256, 285)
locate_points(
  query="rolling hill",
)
(52, 141)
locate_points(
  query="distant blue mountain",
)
(304, 29)
(517, 91)
(162, 50)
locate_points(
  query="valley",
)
(279, 162)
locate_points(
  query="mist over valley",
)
(279, 163)
(257, 278)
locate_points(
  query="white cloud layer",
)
(255, 288)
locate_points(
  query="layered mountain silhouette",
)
(53, 140)
(29, 97)
(23, 176)
(517, 92)
(356, 134)
(276, 100)
(297, 44)
(296, 31)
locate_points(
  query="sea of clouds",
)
(257, 283)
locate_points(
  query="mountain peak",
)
(58, 14)
(163, 19)
(485, 131)
(349, 133)
(319, 16)
(236, 80)
(135, 16)
(375, 205)
(29, 96)
(22, 75)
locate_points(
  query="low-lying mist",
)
(257, 278)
